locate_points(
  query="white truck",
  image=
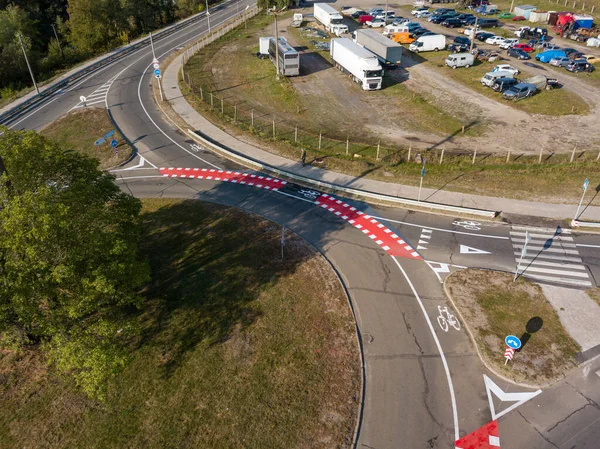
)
(330, 18)
(435, 42)
(388, 51)
(362, 65)
(297, 20)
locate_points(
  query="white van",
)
(434, 42)
(391, 29)
(490, 77)
(460, 60)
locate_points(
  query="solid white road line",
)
(549, 230)
(557, 280)
(439, 347)
(588, 246)
(550, 256)
(560, 272)
(543, 236)
(555, 242)
(553, 264)
(500, 237)
(548, 250)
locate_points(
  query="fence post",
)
(442, 156)
(573, 153)
(252, 118)
(201, 94)
(377, 157)
(474, 156)
(593, 7)
(409, 151)
(235, 113)
(296, 134)
(347, 144)
(508, 157)
(540, 158)
(319, 140)
(211, 101)
(222, 108)
(598, 157)
(273, 126)
(182, 72)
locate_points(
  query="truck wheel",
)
(454, 67)
(467, 66)
(436, 49)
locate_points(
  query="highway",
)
(424, 387)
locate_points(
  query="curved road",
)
(424, 387)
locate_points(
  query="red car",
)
(364, 19)
(526, 48)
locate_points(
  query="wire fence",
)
(321, 145)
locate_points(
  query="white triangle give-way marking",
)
(517, 398)
(468, 250)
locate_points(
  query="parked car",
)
(548, 46)
(525, 47)
(502, 84)
(569, 51)
(518, 53)
(461, 44)
(469, 30)
(509, 42)
(465, 18)
(355, 15)
(518, 18)
(519, 91)
(506, 68)
(451, 23)
(486, 55)
(386, 15)
(561, 61)
(374, 11)
(400, 21)
(494, 40)
(365, 18)
(423, 15)
(548, 55)
(520, 30)
(376, 23)
(488, 23)
(483, 36)
(460, 60)
(418, 10)
(441, 11)
(421, 32)
(440, 18)
(592, 59)
(575, 55)
(580, 66)
(490, 77)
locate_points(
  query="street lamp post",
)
(208, 16)
(152, 45)
(58, 41)
(28, 66)
(276, 46)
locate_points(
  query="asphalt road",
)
(424, 386)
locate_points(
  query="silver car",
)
(560, 62)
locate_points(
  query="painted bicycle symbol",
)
(468, 224)
(195, 147)
(447, 319)
(309, 194)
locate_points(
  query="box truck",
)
(434, 42)
(388, 51)
(362, 65)
(330, 18)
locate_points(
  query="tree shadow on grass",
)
(209, 265)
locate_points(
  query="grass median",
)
(239, 348)
(494, 306)
(81, 128)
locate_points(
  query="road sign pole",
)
(28, 66)
(160, 89)
(420, 187)
(523, 252)
(585, 186)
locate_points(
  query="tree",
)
(268, 4)
(69, 263)
(96, 24)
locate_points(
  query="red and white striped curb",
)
(262, 182)
(382, 235)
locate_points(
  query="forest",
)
(57, 34)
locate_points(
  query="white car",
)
(494, 40)
(560, 62)
(376, 23)
(423, 15)
(416, 11)
(469, 31)
(509, 42)
(518, 32)
(506, 68)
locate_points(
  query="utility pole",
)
(152, 45)
(208, 16)
(58, 41)
(276, 44)
(28, 66)
(473, 35)
(512, 4)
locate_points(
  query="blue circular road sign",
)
(512, 342)
(114, 143)
(157, 72)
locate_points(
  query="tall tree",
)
(69, 264)
(96, 24)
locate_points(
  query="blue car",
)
(548, 55)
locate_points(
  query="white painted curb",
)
(360, 193)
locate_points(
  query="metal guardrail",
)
(585, 224)
(36, 100)
(249, 161)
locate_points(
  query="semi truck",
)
(388, 51)
(362, 65)
(330, 18)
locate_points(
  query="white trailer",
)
(435, 42)
(362, 65)
(330, 18)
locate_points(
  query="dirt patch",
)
(494, 306)
(594, 293)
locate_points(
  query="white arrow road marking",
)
(469, 250)
(517, 398)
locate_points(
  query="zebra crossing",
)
(98, 96)
(551, 256)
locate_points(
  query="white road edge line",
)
(587, 246)
(440, 229)
(440, 350)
